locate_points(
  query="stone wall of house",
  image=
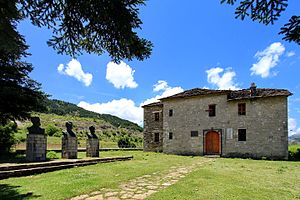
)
(152, 127)
(265, 123)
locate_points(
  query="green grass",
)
(71, 182)
(222, 179)
(238, 179)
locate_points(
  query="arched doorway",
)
(212, 143)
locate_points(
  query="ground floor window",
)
(156, 137)
(242, 135)
(194, 134)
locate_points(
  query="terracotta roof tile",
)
(153, 104)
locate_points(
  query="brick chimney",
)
(253, 90)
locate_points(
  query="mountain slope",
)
(65, 108)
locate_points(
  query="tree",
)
(19, 94)
(266, 12)
(92, 26)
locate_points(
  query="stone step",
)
(37, 168)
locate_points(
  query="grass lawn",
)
(222, 179)
(238, 179)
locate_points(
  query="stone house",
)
(231, 123)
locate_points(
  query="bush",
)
(125, 142)
(294, 155)
(7, 138)
(52, 155)
(52, 130)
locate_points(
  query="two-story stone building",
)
(232, 123)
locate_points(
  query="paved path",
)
(144, 186)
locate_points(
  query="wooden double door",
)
(212, 143)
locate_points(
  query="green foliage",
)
(126, 142)
(91, 26)
(52, 155)
(52, 130)
(7, 139)
(266, 12)
(294, 154)
(18, 93)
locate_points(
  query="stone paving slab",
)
(142, 187)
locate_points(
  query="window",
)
(242, 135)
(156, 116)
(212, 110)
(170, 112)
(242, 109)
(156, 137)
(170, 136)
(194, 133)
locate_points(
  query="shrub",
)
(52, 130)
(294, 155)
(52, 155)
(7, 138)
(125, 142)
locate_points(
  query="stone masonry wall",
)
(265, 123)
(151, 127)
(92, 147)
(36, 147)
(69, 147)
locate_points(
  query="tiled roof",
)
(232, 94)
(153, 104)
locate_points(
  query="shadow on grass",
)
(9, 192)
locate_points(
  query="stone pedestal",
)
(36, 147)
(92, 147)
(69, 147)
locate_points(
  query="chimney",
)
(253, 90)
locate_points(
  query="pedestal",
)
(36, 147)
(69, 147)
(92, 147)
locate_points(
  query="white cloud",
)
(123, 108)
(224, 81)
(293, 127)
(166, 91)
(120, 75)
(290, 53)
(267, 59)
(74, 69)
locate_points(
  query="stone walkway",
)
(144, 186)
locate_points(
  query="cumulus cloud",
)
(74, 69)
(290, 53)
(222, 81)
(267, 59)
(120, 75)
(293, 127)
(165, 89)
(123, 108)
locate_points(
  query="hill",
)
(294, 139)
(59, 107)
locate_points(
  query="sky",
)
(197, 44)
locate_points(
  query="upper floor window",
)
(194, 134)
(156, 116)
(170, 136)
(242, 109)
(212, 110)
(242, 135)
(156, 137)
(170, 112)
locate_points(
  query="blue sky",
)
(196, 44)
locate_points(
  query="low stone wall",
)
(92, 147)
(36, 147)
(69, 147)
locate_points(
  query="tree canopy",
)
(92, 26)
(266, 12)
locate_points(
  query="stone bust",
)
(69, 132)
(35, 129)
(92, 135)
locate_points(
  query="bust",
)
(92, 135)
(35, 129)
(69, 132)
